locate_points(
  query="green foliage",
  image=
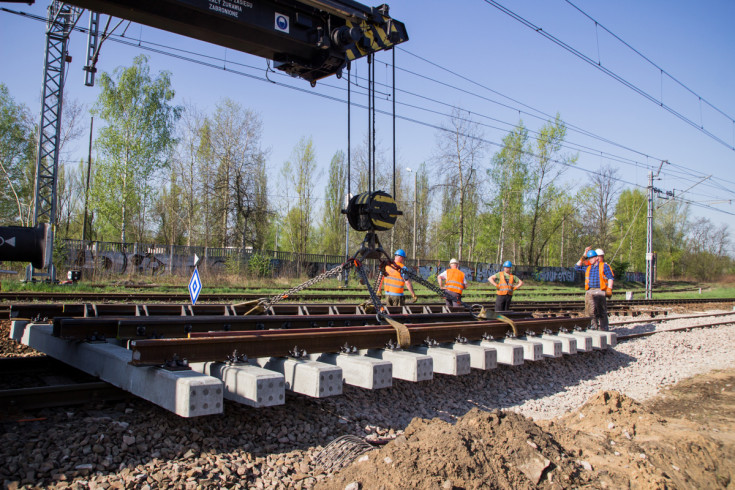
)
(619, 268)
(234, 264)
(259, 265)
(17, 165)
(629, 229)
(299, 174)
(333, 222)
(133, 147)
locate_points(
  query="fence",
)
(152, 259)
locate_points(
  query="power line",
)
(576, 146)
(701, 99)
(607, 71)
(140, 44)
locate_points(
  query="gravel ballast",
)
(136, 444)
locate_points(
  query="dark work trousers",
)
(502, 302)
(595, 305)
(396, 300)
(453, 299)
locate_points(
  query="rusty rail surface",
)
(278, 343)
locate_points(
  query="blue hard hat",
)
(400, 252)
(591, 254)
(507, 263)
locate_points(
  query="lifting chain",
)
(264, 303)
(374, 298)
(441, 292)
(478, 312)
(370, 248)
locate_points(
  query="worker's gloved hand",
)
(413, 298)
(608, 292)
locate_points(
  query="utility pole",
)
(89, 171)
(415, 208)
(649, 230)
(649, 240)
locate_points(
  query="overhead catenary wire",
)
(672, 77)
(570, 145)
(140, 44)
(539, 30)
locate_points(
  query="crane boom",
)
(311, 39)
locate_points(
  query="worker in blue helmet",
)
(506, 283)
(393, 281)
(598, 284)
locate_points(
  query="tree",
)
(669, 237)
(459, 150)
(133, 147)
(705, 256)
(546, 166)
(189, 175)
(17, 155)
(232, 145)
(299, 173)
(597, 204)
(507, 174)
(333, 222)
(630, 220)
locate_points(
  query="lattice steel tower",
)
(61, 20)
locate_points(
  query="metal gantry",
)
(61, 20)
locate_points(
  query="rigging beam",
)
(311, 39)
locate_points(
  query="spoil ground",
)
(655, 412)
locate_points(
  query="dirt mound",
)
(610, 442)
(629, 445)
(482, 450)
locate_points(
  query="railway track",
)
(176, 297)
(73, 387)
(40, 381)
(100, 308)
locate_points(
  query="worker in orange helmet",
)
(393, 281)
(453, 282)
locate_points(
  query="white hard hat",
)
(454, 261)
(599, 251)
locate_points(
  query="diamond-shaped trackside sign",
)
(195, 286)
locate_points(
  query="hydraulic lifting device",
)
(310, 39)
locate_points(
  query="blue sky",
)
(497, 59)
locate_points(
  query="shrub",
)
(259, 265)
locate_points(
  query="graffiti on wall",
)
(635, 277)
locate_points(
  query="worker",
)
(394, 282)
(506, 284)
(598, 284)
(455, 283)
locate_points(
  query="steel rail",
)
(622, 338)
(60, 395)
(279, 343)
(178, 326)
(39, 310)
(211, 297)
(659, 320)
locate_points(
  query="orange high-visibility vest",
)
(393, 281)
(455, 281)
(505, 288)
(603, 279)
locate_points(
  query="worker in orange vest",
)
(455, 283)
(598, 284)
(506, 284)
(394, 283)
